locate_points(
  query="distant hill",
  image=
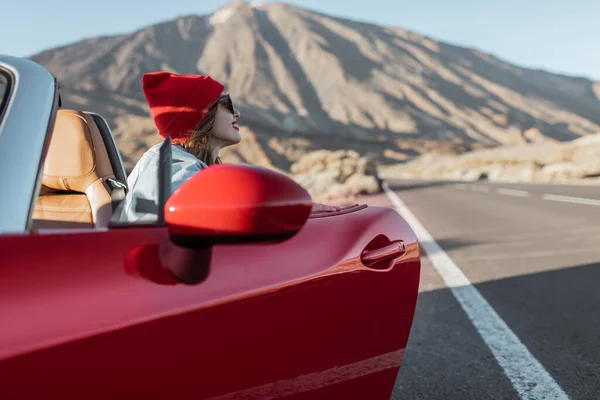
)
(306, 81)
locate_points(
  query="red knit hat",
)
(178, 102)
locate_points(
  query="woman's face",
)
(226, 131)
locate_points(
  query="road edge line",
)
(526, 374)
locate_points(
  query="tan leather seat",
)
(75, 191)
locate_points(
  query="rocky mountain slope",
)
(306, 81)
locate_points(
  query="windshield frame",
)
(28, 110)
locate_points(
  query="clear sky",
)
(556, 35)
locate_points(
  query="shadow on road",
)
(554, 313)
(450, 244)
(399, 185)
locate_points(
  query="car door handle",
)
(393, 250)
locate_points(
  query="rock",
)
(560, 171)
(575, 161)
(363, 184)
(335, 175)
(533, 135)
(471, 175)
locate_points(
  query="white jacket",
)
(141, 202)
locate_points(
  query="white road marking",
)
(512, 192)
(479, 188)
(569, 199)
(527, 375)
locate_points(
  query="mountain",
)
(305, 81)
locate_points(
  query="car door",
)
(93, 314)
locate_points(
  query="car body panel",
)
(93, 313)
(306, 307)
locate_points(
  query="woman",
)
(200, 119)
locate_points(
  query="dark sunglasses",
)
(226, 101)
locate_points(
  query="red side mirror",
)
(237, 203)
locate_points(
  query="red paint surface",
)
(299, 319)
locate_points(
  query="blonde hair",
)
(197, 143)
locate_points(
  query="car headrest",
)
(76, 156)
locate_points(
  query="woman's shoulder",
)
(178, 155)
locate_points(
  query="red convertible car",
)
(236, 291)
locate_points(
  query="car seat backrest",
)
(77, 176)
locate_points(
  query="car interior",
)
(83, 178)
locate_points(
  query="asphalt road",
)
(531, 251)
